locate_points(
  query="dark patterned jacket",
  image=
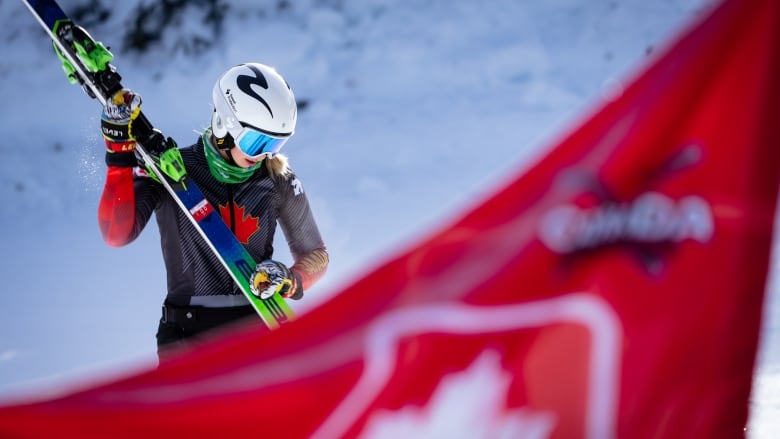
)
(251, 209)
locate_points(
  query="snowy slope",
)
(413, 109)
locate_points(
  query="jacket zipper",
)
(231, 209)
(232, 222)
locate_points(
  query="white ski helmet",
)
(256, 107)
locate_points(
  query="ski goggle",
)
(256, 144)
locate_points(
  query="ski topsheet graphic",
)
(87, 62)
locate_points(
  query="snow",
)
(413, 110)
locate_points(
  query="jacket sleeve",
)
(300, 230)
(127, 203)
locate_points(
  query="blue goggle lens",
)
(254, 143)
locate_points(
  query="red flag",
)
(614, 290)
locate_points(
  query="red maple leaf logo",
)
(243, 225)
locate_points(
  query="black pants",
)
(178, 325)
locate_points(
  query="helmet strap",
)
(224, 143)
(222, 169)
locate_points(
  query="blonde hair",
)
(278, 166)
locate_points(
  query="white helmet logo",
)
(245, 83)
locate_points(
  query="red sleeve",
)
(311, 267)
(116, 212)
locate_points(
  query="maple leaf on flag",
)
(242, 225)
(467, 404)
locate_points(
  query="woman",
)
(237, 165)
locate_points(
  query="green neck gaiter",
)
(223, 171)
